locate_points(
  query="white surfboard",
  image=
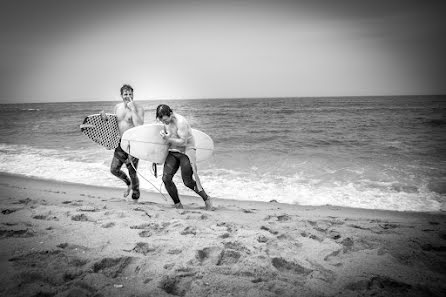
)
(145, 143)
(103, 132)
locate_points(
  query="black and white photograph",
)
(244, 148)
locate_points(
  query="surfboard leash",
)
(131, 162)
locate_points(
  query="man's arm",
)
(183, 133)
(137, 113)
(139, 119)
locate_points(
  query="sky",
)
(57, 50)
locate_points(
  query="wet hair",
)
(163, 110)
(126, 87)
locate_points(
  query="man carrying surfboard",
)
(129, 114)
(182, 154)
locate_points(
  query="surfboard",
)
(145, 143)
(105, 133)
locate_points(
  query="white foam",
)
(295, 190)
(92, 167)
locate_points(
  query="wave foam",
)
(93, 168)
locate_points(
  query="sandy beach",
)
(62, 239)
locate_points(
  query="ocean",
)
(367, 152)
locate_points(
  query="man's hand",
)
(131, 106)
(165, 135)
(103, 115)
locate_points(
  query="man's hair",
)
(163, 110)
(126, 87)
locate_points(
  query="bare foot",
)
(127, 191)
(208, 204)
(179, 205)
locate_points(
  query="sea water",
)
(367, 152)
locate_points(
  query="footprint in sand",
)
(284, 237)
(262, 239)
(21, 233)
(208, 255)
(283, 218)
(177, 285)
(169, 266)
(24, 201)
(49, 267)
(81, 218)
(387, 226)
(377, 229)
(237, 246)
(145, 233)
(174, 252)
(231, 254)
(189, 230)
(75, 247)
(332, 258)
(108, 225)
(428, 247)
(8, 211)
(142, 248)
(193, 215)
(43, 217)
(229, 257)
(323, 230)
(320, 226)
(247, 210)
(385, 286)
(112, 267)
(225, 235)
(142, 226)
(347, 244)
(285, 266)
(335, 235)
(229, 226)
(40, 258)
(154, 227)
(142, 210)
(88, 208)
(77, 203)
(269, 230)
(311, 236)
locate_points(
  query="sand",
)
(62, 239)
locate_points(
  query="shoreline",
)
(156, 197)
(66, 239)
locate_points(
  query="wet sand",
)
(62, 239)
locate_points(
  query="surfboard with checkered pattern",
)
(103, 132)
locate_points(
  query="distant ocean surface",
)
(367, 152)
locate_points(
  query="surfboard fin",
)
(154, 168)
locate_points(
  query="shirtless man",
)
(129, 115)
(182, 154)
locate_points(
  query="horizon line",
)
(230, 98)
